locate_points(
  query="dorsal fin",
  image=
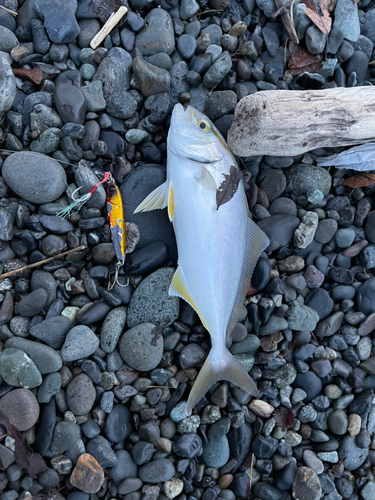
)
(256, 243)
(158, 198)
(178, 288)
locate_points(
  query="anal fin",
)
(157, 199)
(256, 242)
(178, 288)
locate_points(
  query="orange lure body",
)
(116, 220)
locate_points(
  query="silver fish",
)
(218, 246)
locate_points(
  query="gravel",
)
(98, 379)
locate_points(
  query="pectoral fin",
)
(206, 180)
(158, 198)
(256, 243)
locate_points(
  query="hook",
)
(112, 283)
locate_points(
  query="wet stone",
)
(157, 471)
(151, 303)
(21, 408)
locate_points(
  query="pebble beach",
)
(94, 381)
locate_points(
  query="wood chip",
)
(114, 19)
(301, 60)
(286, 18)
(324, 23)
(34, 75)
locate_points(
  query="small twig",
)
(287, 18)
(312, 333)
(251, 471)
(114, 19)
(3, 436)
(280, 9)
(207, 11)
(41, 262)
(14, 14)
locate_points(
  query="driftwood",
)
(114, 19)
(291, 122)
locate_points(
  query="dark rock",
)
(153, 226)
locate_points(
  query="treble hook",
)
(112, 283)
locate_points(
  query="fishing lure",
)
(117, 223)
(115, 212)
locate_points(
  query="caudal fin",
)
(213, 370)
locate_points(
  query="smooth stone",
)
(87, 475)
(157, 34)
(50, 386)
(157, 471)
(150, 302)
(338, 422)
(101, 449)
(264, 447)
(86, 179)
(52, 331)
(112, 328)
(140, 348)
(310, 383)
(279, 229)
(306, 485)
(34, 177)
(59, 20)
(330, 325)
(351, 454)
(301, 317)
(80, 394)
(188, 445)
(304, 178)
(21, 407)
(80, 342)
(218, 70)
(346, 20)
(149, 78)
(365, 295)
(46, 359)
(320, 300)
(146, 259)
(8, 39)
(70, 103)
(18, 370)
(118, 425)
(124, 468)
(216, 449)
(33, 303)
(153, 226)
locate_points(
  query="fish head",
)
(194, 137)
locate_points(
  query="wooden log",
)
(291, 122)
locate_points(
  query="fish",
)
(218, 243)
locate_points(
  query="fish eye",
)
(204, 125)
